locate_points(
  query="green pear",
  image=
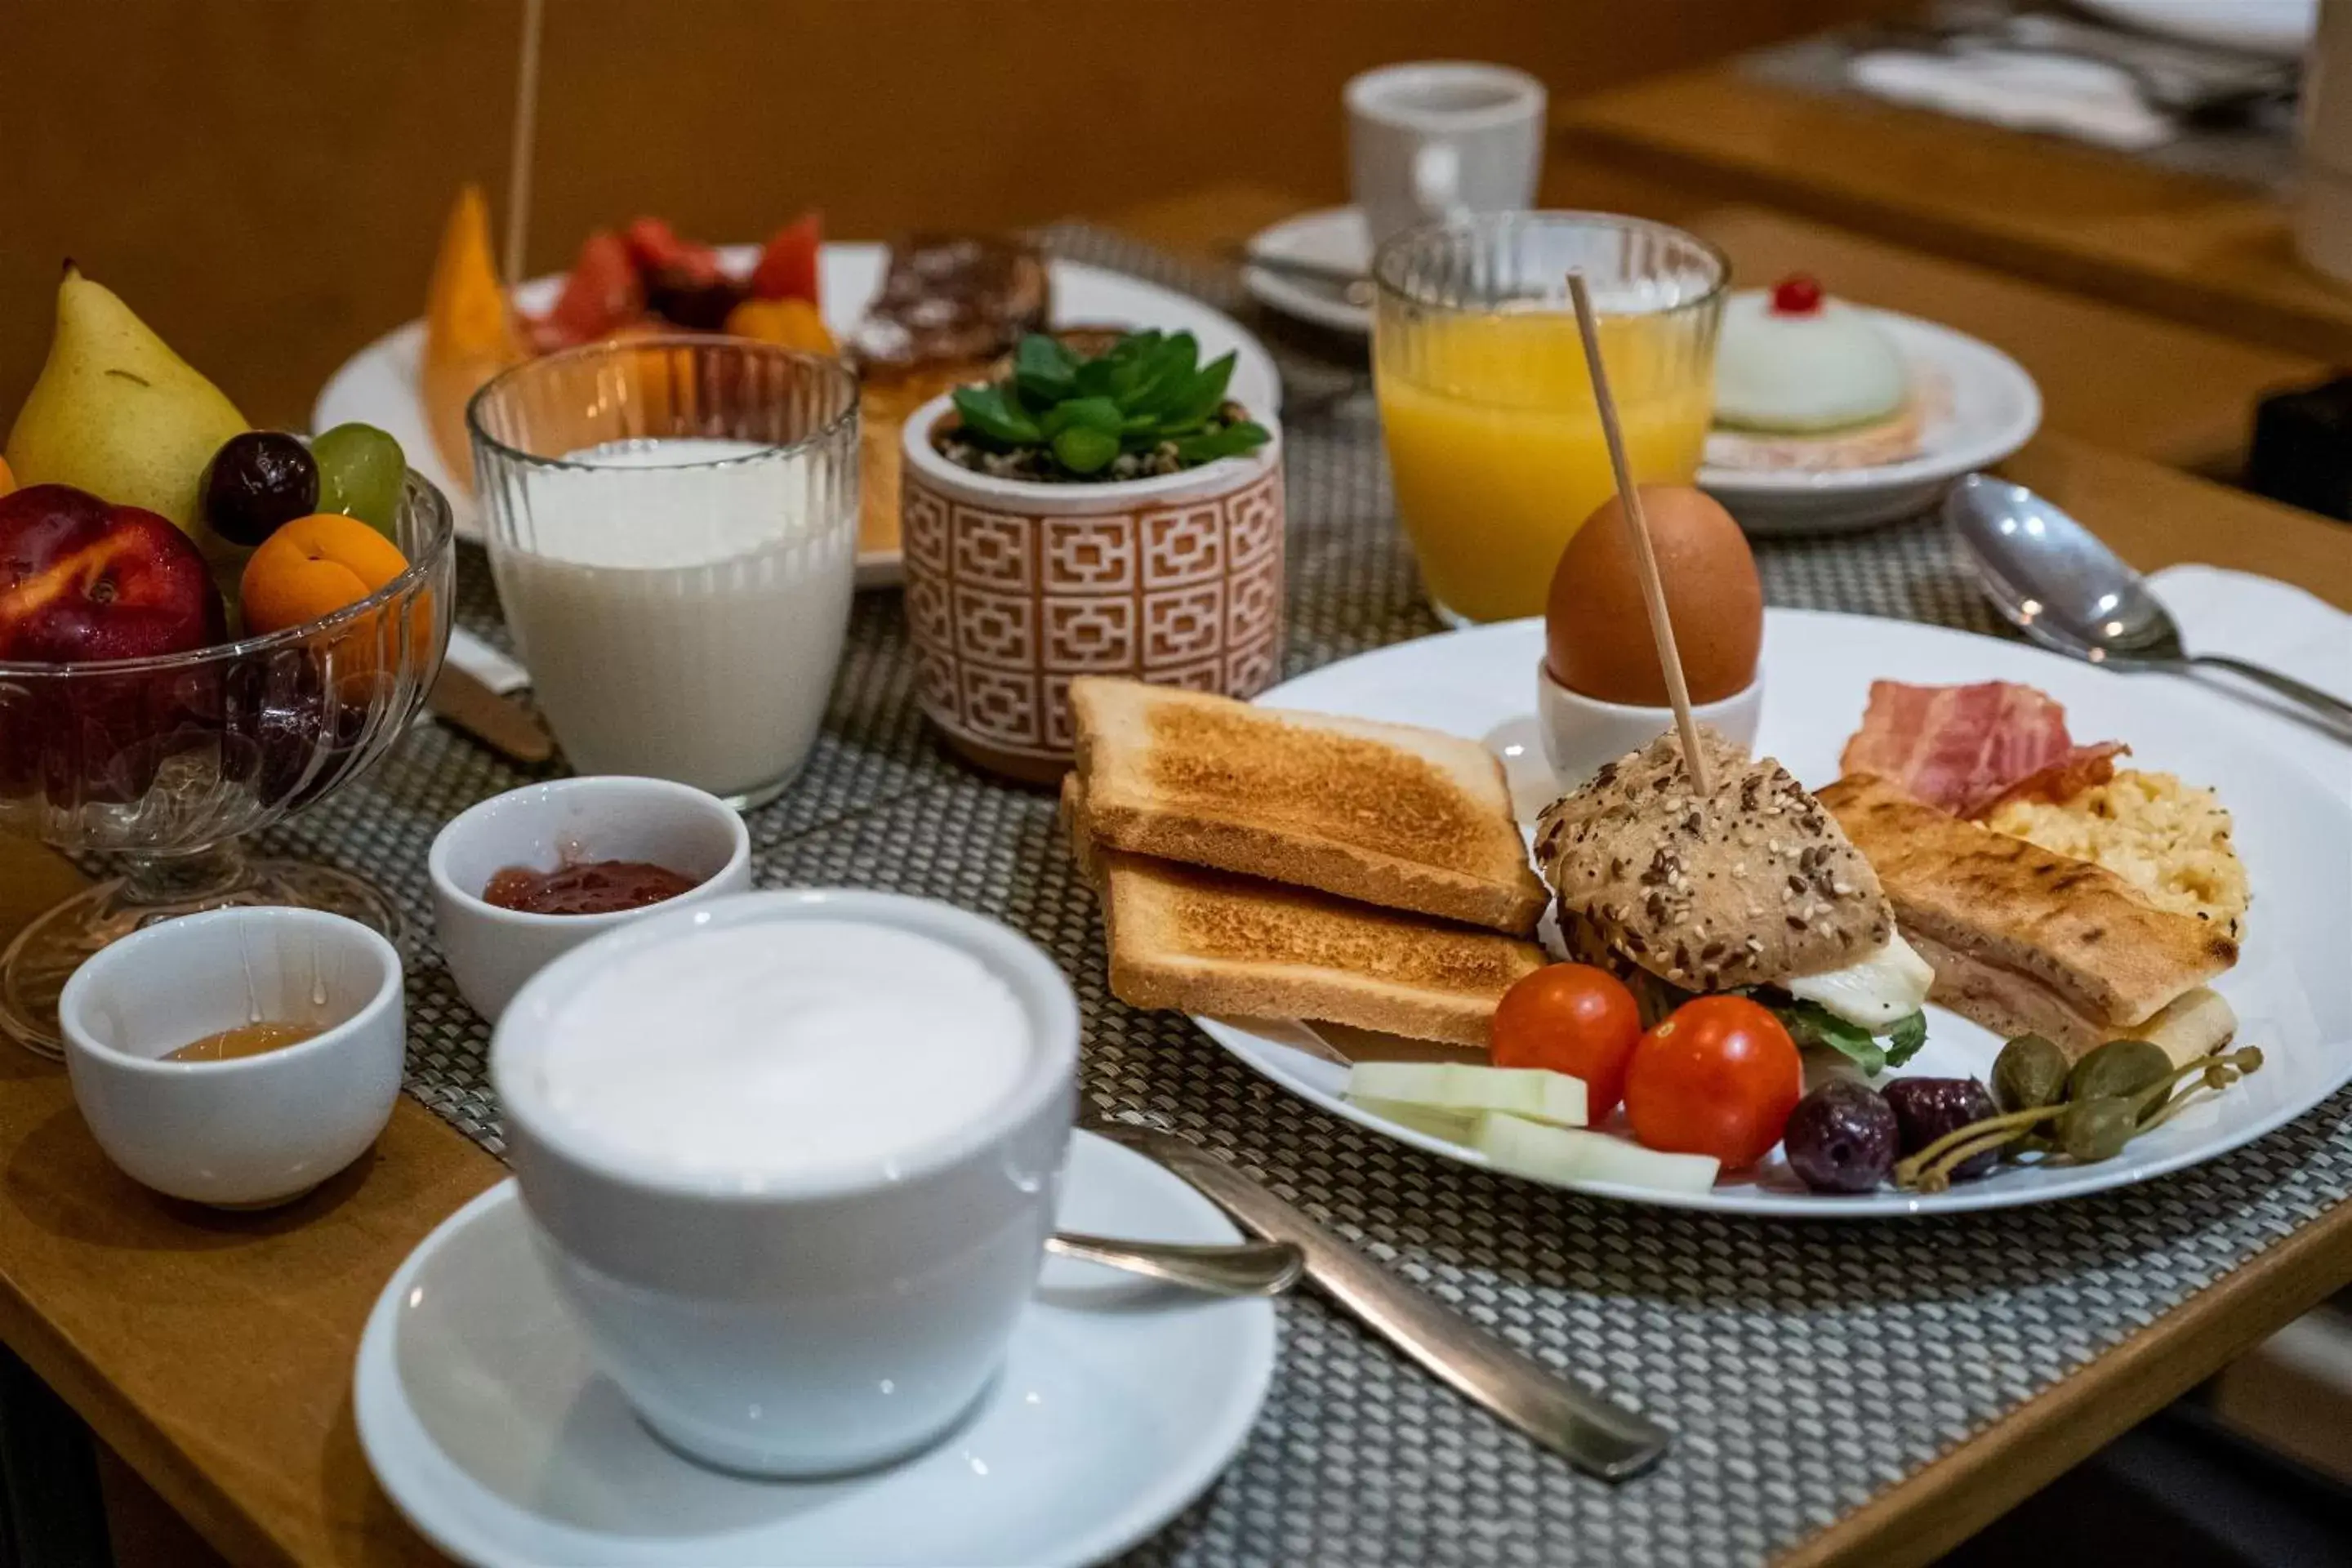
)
(117, 413)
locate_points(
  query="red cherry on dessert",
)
(82, 581)
(1796, 295)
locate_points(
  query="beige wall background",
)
(264, 180)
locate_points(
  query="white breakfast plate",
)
(377, 386)
(1982, 405)
(1119, 1402)
(2292, 989)
(1333, 236)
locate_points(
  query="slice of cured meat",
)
(1966, 748)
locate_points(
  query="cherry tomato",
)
(1572, 1018)
(1718, 1076)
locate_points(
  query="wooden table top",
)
(214, 1352)
(2120, 230)
(2125, 380)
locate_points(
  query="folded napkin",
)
(486, 664)
(2022, 89)
(2274, 623)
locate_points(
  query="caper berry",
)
(2029, 1073)
(2120, 1069)
(2094, 1129)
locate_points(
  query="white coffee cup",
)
(1439, 138)
(800, 1318)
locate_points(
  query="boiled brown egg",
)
(1597, 632)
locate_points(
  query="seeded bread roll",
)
(1754, 884)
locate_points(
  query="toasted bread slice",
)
(1387, 814)
(2021, 939)
(1201, 940)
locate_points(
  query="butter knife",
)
(498, 722)
(1595, 1434)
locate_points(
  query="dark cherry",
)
(257, 482)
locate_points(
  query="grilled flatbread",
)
(1753, 885)
(2021, 939)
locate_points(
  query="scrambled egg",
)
(2168, 839)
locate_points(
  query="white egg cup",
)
(490, 951)
(251, 1131)
(1581, 733)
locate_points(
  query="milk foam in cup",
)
(791, 1159)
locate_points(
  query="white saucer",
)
(1335, 237)
(1982, 405)
(1120, 1402)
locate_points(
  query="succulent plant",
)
(1148, 399)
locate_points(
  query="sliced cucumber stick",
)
(1453, 1126)
(1562, 1155)
(1551, 1098)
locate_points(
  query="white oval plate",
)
(1986, 407)
(377, 386)
(2292, 989)
(1120, 1401)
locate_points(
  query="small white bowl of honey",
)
(240, 1057)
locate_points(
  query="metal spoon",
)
(1235, 1268)
(2064, 588)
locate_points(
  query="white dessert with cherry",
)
(1793, 361)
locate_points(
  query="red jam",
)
(586, 887)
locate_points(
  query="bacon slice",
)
(2067, 777)
(1966, 748)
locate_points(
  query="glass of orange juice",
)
(1494, 442)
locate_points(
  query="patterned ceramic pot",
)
(1013, 588)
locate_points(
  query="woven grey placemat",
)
(1803, 1367)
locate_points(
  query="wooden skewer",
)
(1645, 560)
(526, 131)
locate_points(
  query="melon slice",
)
(469, 334)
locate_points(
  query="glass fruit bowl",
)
(162, 763)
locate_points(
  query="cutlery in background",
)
(503, 725)
(2060, 584)
(1596, 1434)
(1348, 284)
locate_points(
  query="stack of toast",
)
(1258, 863)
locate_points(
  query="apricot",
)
(788, 324)
(313, 567)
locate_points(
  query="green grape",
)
(360, 471)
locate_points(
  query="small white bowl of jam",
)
(526, 876)
(240, 1057)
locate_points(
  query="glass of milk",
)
(673, 525)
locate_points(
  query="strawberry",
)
(655, 247)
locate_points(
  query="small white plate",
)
(2291, 988)
(1333, 236)
(378, 385)
(1119, 1402)
(1981, 406)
